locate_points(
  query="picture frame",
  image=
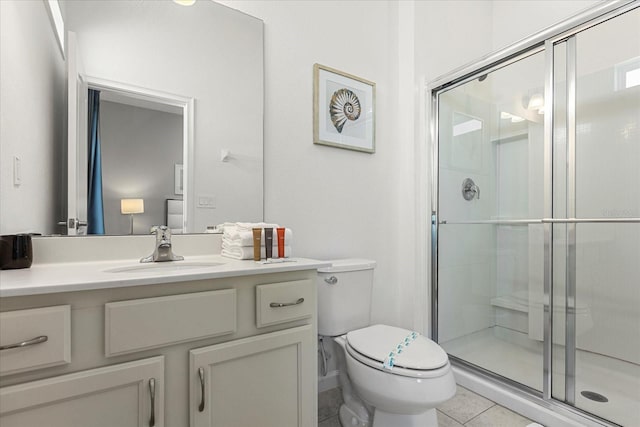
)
(343, 110)
(178, 178)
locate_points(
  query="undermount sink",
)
(163, 266)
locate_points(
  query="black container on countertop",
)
(16, 251)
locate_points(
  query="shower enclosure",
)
(536, 215)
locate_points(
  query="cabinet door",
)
(265, 380)
(128, 394)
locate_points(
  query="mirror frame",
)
(186, 104)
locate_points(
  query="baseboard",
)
(329, 381)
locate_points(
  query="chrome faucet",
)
(163, 250)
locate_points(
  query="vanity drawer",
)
(29, 327)
(284, 302)
(143, 324)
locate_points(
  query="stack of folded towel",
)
(237, 240)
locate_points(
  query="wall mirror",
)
(180, 113)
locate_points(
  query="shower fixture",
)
(470, 190)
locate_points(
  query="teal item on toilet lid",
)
(405, 348)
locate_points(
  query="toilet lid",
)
(416, 351)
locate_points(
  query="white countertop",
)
(83, 276)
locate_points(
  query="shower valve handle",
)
(470, 190)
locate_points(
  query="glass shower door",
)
(596, 296)
(490, 198)
(537, 218)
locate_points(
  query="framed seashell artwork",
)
(343, 110)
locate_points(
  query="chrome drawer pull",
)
(152, 391)
(36, 340)
(286, 304)
(201, 375)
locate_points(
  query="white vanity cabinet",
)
(123, 395)
(257, 381)
(230, 351)
(266, 380)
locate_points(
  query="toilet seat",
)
(414, 356)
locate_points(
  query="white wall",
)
(339, 203)
(31, 119)
(515, 20)
(450, 34)
(347, 204)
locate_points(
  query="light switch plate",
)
(207, 202)
(17, 171)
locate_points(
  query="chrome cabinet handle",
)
(152, 392)
(201, 375)
(331, 280)
(286, 304)
(32, 341)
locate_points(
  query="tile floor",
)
(466, 409)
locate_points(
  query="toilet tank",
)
(344, 296)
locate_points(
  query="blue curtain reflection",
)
(95, 209)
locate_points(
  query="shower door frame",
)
(544, 41)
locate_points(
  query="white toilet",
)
(398, 376)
